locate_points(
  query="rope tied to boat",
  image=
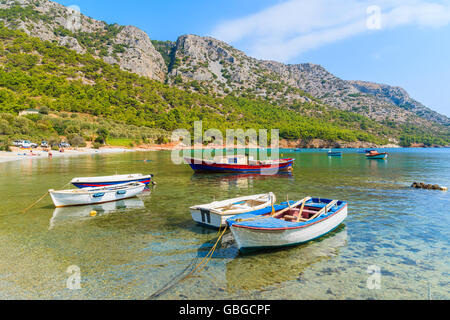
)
(173, 282)
(40, 199)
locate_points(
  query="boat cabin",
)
(235, 159)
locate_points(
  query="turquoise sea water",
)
(133, 248)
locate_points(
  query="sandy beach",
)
(23, 154)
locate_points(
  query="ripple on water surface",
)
(135, 247)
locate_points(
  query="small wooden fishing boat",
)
(77, 197)
(111, 180)
(240, 164)
(215, 214)
(334, 153)
(376, 155)
(288, 224)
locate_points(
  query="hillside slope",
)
(127, 46)
(36, 74)
(206, 80)
(218, 67)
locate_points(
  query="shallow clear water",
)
(133, 248)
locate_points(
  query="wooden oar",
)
(326, 208)
(293, 206)
(274, 214)
(301, 211)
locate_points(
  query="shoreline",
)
(24, 154)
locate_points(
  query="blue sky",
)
(397, 42)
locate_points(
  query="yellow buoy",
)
(93, 213)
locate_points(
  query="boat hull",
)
(210, 219)
(99, 182)
(249, 239)
(67, 199)
(378, 156)
(229, 168)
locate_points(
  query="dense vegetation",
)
(37, 74)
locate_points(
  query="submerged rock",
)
(421, 185)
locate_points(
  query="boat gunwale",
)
(213, 210)
(130, 178)
(112, 188)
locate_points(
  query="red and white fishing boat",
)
(240, 164)
(373, 154)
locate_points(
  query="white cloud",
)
(291, 28)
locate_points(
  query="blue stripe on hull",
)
(105, 184)
(253, 249)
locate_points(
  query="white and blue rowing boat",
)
(90, 182)
(78, 197)
(288, 224)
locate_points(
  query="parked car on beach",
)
(25, 144)
(44, 144)
(64, 145)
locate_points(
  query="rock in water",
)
(422, 185)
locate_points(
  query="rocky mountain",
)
(127, 46)
(399, 97)
(207, 65)
(216, 66)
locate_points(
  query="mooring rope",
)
(40, 199)
(173, 282)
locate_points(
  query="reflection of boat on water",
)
(332, 153)
(254, 272)
(238, 176)
(241, 180)
(67, 215)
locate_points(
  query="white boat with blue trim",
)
(91, 182)
(287, 224)
(78, 197)
(217, 213)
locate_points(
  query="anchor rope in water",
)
(40, 199)
(173, 282)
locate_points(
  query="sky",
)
(402, 43)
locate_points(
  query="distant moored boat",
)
(375, 155)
